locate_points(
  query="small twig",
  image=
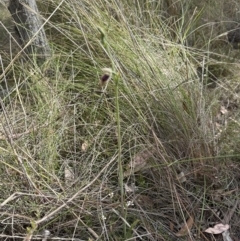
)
(12, 197)
(54, 212)
(18, 194)
(8, 136)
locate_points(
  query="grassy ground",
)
(150, 154)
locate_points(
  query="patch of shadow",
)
(233, 37)
(210, 74)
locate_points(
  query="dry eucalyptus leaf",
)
(218, 126)
(144, 201)
(223, 110)
(68, 175)
(181, 177)
(186, 228)
(226, 236)
(131, 188)
(85, 146)
(217, 229)
(138, 162)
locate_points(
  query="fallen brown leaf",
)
(138, 162)
(218, 228)
(186, 228)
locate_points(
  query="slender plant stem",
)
(120, 168)
(119, 139)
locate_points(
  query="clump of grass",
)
(134, 159)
